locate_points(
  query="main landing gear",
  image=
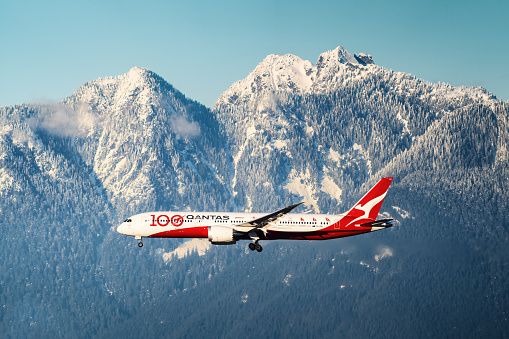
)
(253, 234)
(140, 243)
(255, 246)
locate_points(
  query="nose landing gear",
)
(140, 243)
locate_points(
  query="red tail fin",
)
(366, 209)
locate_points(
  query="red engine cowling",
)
(221, 235)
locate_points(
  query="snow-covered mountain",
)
(336, 69)
(289, 73)
(151, 141)
(292, 130)
(355, 116)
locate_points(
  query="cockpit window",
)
(128, 220)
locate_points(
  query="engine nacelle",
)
(220, 235)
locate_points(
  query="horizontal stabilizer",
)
(381, 222)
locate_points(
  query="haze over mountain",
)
(291, 130)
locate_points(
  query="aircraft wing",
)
(265, 220)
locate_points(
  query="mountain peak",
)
(276, 73)
(138, 76)
(272, 59)
(338, 55)
(290, 73)
(137, 84)
(137, 72)
(287, 71)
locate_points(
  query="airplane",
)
(226, 228)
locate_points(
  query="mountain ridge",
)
(71, 171)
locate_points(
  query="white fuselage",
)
(149, 224)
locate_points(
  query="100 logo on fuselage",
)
(177, 220)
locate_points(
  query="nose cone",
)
(119, 228)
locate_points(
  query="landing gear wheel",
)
(258, 247)
(252, 246)
(140, 244)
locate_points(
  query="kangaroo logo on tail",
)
(366, 210)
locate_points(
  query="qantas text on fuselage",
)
(226, 228)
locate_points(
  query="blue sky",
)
(50, 48)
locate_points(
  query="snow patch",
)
(195, 245)
(404, 122)
(249, 206)
(404, 214)
(296, 185)
(4, 128)
(250, 131)
(7, 183)
(384, 252)
(286, 280)
(330, 187)
(302, 69)
(357, 147)
(280, 144)
(268, 103)
(334, 156)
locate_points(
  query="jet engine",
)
(220, 235)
